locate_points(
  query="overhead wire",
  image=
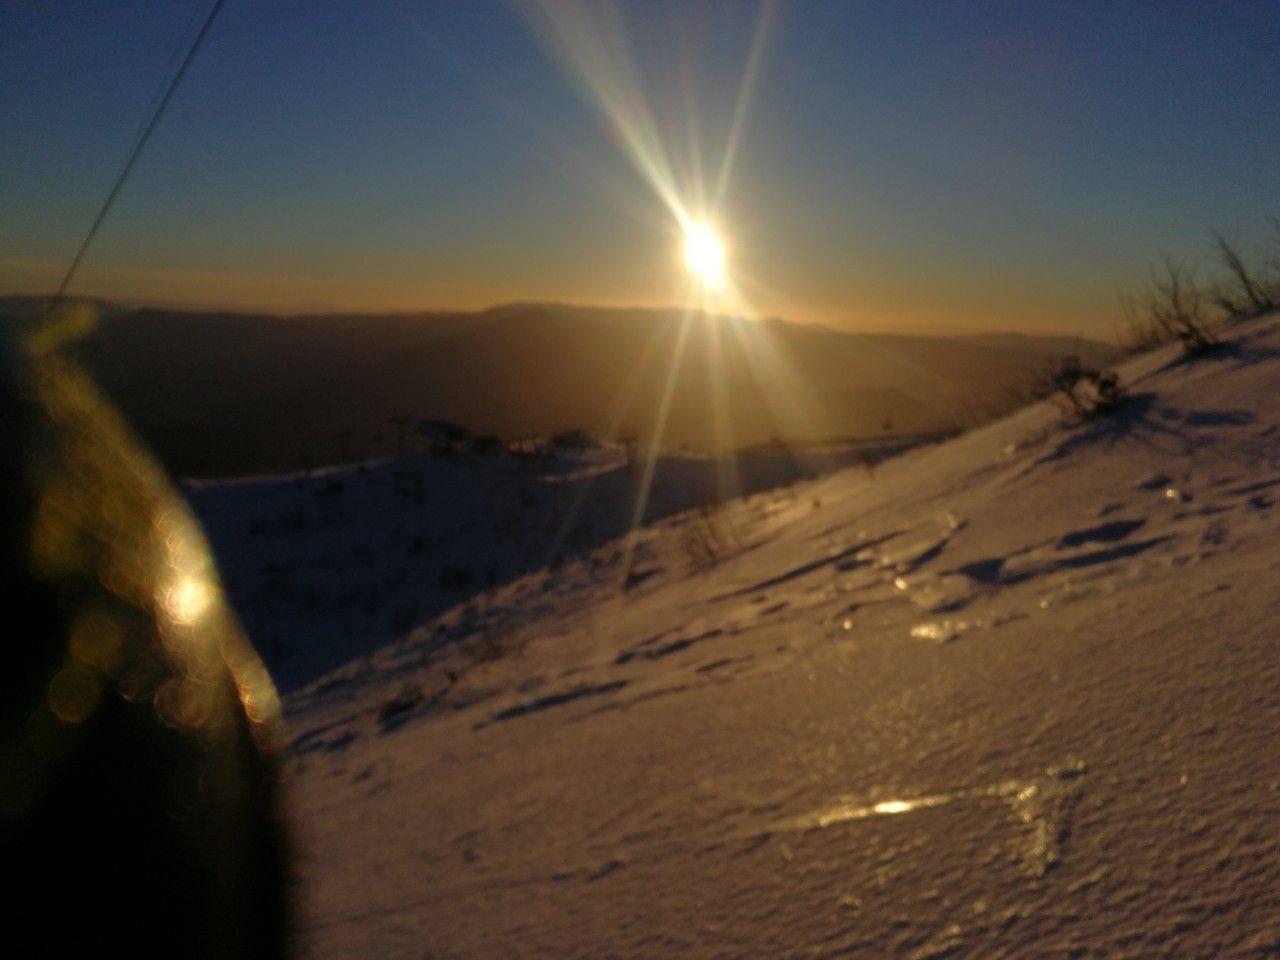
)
(156, 113)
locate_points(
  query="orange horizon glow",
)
(1087, 312)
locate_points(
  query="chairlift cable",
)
(141, 142)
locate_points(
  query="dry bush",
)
(1175, 307)
(1272, 264)
(1138, 330)
(1083, 391)
(1244, 293)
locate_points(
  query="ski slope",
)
(1013, 695)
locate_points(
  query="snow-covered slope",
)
(1013, 695)
(332, 564)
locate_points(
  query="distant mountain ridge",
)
(225, 393)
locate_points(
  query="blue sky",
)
(905, 166)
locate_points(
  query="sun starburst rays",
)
(591, 42)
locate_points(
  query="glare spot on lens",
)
(187, 599)
(74, 693)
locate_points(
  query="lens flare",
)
(591, 41)
(704, 255)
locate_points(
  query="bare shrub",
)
(1272, 264)
(1175, 306)
(1244, 294)
(1138, 329)
(1083, 391)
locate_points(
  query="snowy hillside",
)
(330, 565)
(1015, 695)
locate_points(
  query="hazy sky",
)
(903, 166)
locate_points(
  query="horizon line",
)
(144, 303)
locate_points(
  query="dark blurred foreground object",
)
(139, 793)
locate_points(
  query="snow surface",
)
(332, 564)
(1014, 695)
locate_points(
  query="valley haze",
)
(227, 394)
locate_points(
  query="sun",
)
(704, 254)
